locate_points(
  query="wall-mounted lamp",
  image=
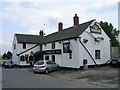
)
(85, 40)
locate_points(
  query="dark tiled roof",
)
(33, 39)
(68, 33)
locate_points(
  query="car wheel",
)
(46, 71)
(58, 68)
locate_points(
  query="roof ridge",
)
(26, 34)
(70, 27)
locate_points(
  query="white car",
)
(45, 66)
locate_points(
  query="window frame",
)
(14, 46)
(53, 45)
(97, 54)
(22, 58)
(47, 57)
(24, 45)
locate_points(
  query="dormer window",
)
(24, 45)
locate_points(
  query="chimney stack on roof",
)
(76, 20)
(41, 33)
(60, 26)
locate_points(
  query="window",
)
(97, 54)
(53, 58)
(53, 45)
(26, 58)
(46, 57)
(70, 55)
(22, 58)
(24, 45)
(14, 46)
(30, 58)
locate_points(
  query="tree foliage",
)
(7, 56)
(112, 32)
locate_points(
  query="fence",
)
(115, 51)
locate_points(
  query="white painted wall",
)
(63, 58)
(15, 51)
(19, 49)
(92, 45)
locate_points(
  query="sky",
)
(31, 16)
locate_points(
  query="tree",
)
(4, 56)
(7, 56)
(112, 32)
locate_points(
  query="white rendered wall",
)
(92, 45)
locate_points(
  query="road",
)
(24, 78)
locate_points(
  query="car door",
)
(54, 66)
(49, 65)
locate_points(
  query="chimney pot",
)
(76, 20)
(60, 26)
(41, 33)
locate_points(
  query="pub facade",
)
(70, 47)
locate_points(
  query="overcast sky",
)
(31, 16)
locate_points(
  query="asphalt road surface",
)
(23, 78)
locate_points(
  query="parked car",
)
(7, 63)
(45, 66)
(116, 61)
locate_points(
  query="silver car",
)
(45, 66)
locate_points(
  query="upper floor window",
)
(24, 45)
(53, 45)
(14, 46)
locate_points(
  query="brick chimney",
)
(60, 26)
(76, 20)
(41, 33)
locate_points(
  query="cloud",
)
(31, 15)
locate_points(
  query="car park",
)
(7, 63)
(115, 61)
(45, 66)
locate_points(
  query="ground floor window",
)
(70, 55)
(22, 58)
(53, 58)
(30, 58)
(46, 57)
(97, 54)
(26, 58)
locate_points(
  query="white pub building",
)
(85, 43)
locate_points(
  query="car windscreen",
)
(39, 63)
(118, 56)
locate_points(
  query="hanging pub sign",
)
(66, 47)
(95, 29)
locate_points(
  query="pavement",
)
(106, 76)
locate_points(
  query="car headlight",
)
(6, 64)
